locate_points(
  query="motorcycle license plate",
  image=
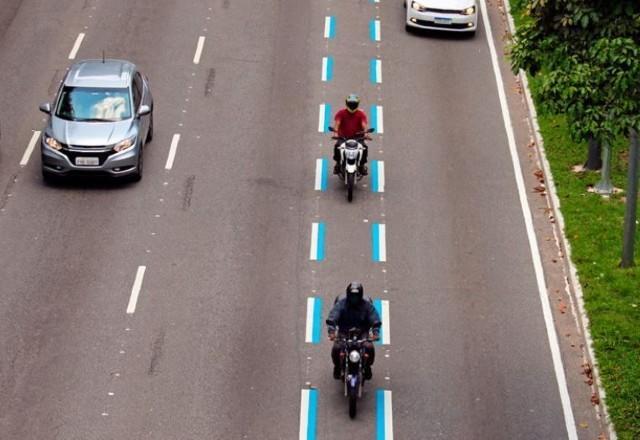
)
(87, 161)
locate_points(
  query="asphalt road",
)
(216, 346)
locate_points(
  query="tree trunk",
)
(632, 202)
(594, 159)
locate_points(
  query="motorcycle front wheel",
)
(351, 177)
(353, 401)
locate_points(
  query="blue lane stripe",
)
(380, 431)
(372, 30)
(317, 320)
(321, 237)
(329, 68)
(332, 28)
(373, 77)
(375, 242)
(373, 117)
(327, 117)
(377, 303)
(313, 414)
(324, 180)
(374, 175)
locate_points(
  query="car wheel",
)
(404, 4)
(150, 132)
(137, 175)
(50, 178)
(408, 28)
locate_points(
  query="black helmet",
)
(355, 293)
(352, 102)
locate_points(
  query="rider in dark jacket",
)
(349, 311)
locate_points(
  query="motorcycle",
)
(353, 355)
(351, 152)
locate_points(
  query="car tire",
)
(137, 175)
(150, 132)
(50, 178)
(408, 28)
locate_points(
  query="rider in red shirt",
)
(351, 122)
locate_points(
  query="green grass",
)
(612, 295)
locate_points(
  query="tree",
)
(588, 51)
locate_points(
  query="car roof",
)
(100, 73)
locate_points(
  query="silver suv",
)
(100, 121)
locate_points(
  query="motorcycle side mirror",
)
(45, 108)
(331, 129)
(371, 130)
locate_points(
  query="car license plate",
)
(442, 20)
(87, 161)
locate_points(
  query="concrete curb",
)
(573, 281)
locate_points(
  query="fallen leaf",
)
(562, 307)
(595, 400)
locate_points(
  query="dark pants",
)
(338, 347)
(336, 154)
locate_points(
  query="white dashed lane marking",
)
(30, 147)
(199, 47)
(172, 151)
(76, 46)
(135, 290)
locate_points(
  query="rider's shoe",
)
(336, 169)
(364, 170)
(337, 373)
(367, 373)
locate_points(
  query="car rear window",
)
(91, 104)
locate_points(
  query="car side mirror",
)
(144, 110)
(45, 108)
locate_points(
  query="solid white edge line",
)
(76, 46)
(379, 71)
(30, 147)
(533, 242)
(382, 242)
(321, 119)
(313, 252)
(172, 151)
(380, 120)
(309, 329)
(386, 333)
(135, 290)
(388, 416)
(380, 176)
(324, 68)
(327, 27)
(318, 183)
(304, 414)
(199, 47)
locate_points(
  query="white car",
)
(446, 15)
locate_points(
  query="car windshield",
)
(91, 104)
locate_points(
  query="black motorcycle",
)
(352, 355)
(351, 151)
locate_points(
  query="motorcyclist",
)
(349, 311)
(349, 123)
